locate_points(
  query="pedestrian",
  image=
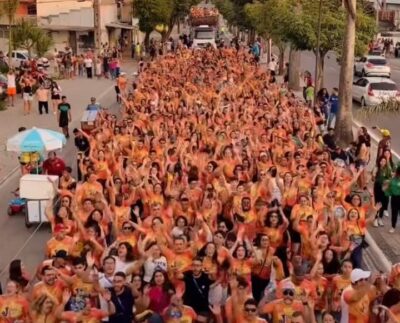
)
(27, 83)
(381, 174)
(64, 115)
(83, 146)
(42, 95)
(383, 144)
(55, 91)
(333, 108)
(11, 87)
(272, 66)
(53, 165)
(133, 50)
(88, 62)
(138, 50)
(98, 67)
(392, 189)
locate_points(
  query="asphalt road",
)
(331, 80)
(14, 235)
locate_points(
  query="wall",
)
(60, 39)
(59, 6)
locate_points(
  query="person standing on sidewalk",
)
(64, 115)
(11, 87)
(380, 175)
(333, 108)
(88, 62)
(392, 189)
(42, 95)
(55, 90)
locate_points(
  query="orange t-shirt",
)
(338, 285)
(54, 245)
(188, 316)
(56, 290)
(357, 312)
(94, 316)
(13, 308)
(281, 311)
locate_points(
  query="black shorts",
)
(56, 97)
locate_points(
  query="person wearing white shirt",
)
(153, 262)
(272, 66)
(106, 280)
(88, 62)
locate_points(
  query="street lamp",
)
(317, 58)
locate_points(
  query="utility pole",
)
(97, 26)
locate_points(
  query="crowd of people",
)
(216, 196)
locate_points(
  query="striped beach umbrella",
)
(36, 139)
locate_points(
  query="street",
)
(331, 79)
(14, 234)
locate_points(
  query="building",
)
(71, 22)
(26, 10)
(388, 14)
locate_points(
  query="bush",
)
(3, 105)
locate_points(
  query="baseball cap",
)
(358, 274)
(385, 132)
(59, 227)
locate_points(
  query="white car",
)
(371, 91)
(18, 56)
(372, 66)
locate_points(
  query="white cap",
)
(287, 284)
(358, 274)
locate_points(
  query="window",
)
(361, 82)
(32, 10)
(20, 56)
(383, 86)
(204, 34)
(377, 61)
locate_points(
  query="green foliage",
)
(235, 13)
(43, 44)
(152, 13)
(386, 107)
(28, 36)
(297, 22)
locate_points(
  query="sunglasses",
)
(127, 228)
(288, 292)
(250, 309)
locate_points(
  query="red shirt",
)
(54, 166)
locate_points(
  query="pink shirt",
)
(159, 299)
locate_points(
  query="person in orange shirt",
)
(234, 306)
(177, 312)
(283, 308)
(88, 314)
(14, 307)
(50, 284)
(43, 309)
(357, 297)
(60, 241)
(339, 284)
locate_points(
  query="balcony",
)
(387, 16)
(17, 18)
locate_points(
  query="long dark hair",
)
(15, 273)
(167, 286)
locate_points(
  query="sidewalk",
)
(78, 92)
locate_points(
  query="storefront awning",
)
(119, 25)
(66, 28)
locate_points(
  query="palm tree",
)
(344, 122)
(9, 8)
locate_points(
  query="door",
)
(359, 88)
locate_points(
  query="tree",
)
(344, 122)
(43, 44)
(152, 13)
(9, 8)
(28, 36)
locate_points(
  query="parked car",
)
(372, 66)
(18, 57)
(371, 91)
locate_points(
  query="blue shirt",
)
(93, 107)
(334, 103)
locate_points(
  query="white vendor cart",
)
(37, 190)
